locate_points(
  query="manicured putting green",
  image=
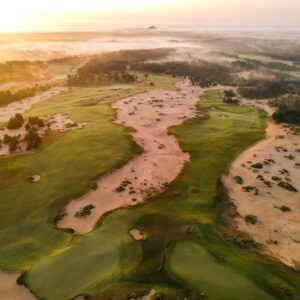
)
(194, 265)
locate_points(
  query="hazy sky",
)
(16, 15)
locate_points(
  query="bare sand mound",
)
(150, 114)
(137, 235)
(10, 290)
(268, 193)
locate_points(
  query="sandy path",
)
(150, 114)
(24, 105)
(10, 290)
(277, 231)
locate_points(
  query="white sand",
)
(150, 114)
(10, 290)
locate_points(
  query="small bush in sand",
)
(269, 161)
(284, 172)
(12, 142)
(257, 166)
(290, 157)
(84, 212)
(284, 208)
(238, 179)
(272, 242)
(251, 219)
(36, 121)
(248, 188)
(120, 189)
(266, 182)
(94, 186)
(276, 178)
(70, 125)
(287, 186)
(280, 149)
(244, 241)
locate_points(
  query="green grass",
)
(160, 81)
(205, 273)
(67, 166)
(108, 263)
(89, 263)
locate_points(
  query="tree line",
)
(9, 96)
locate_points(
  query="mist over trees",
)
(113, 67)
(22, 71)
(204, 74)
(116, 67)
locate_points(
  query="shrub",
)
(15, 122)
(257, 166)
(285, 208)
(84, 212)
(33, 139)
(248, 189)
(238, 179)
(12, 142)
(251, 219)
(36, 121)
(287, 186)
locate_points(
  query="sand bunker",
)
(150, 114)
(137, 235)
(10, 290)
(36, 178)
(268, 205)
(24, 105)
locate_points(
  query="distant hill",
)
(152, 27)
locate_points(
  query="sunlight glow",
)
(24, 15)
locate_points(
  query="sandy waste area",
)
(268, 198)
(150, 114)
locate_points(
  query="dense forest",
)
(268, 88)
(200, 73)
(113, 67)
(288, 109)
(116, 67)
